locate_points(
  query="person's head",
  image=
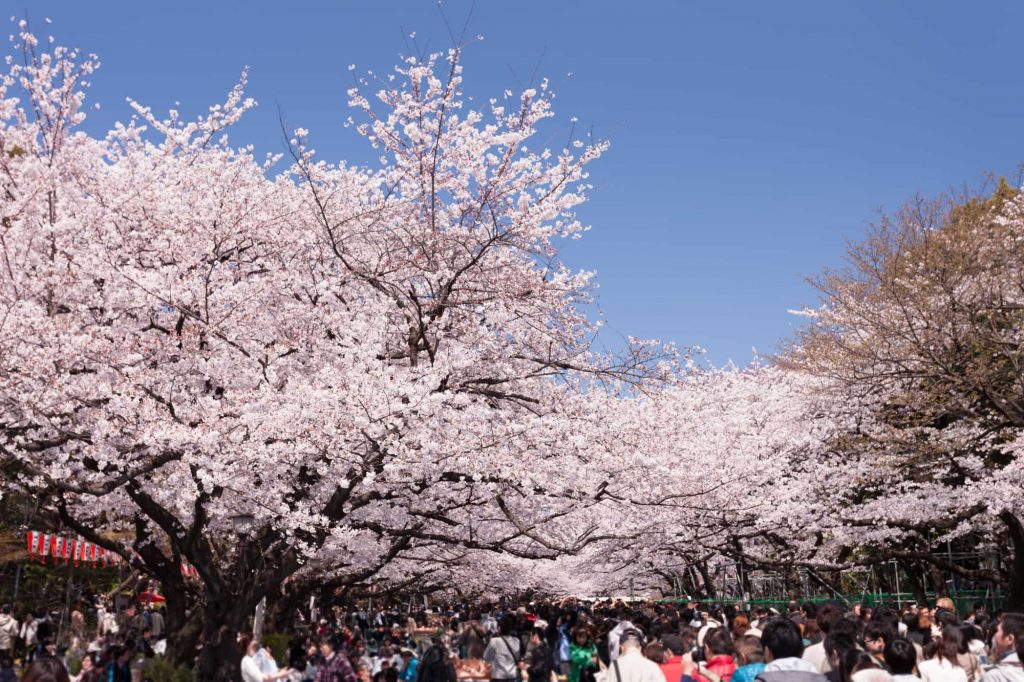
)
(876, 636)
(781, 639)
(809, 609)
(252, 647)
(948, 644)
(828, 614)
(46, 670)
(901, 656)
(739, 626)
(947, 604)
(88, 663)
(656, 651)
(717, 642)
(407, 655)
(674, 644)
(1009, 634)
(5, 609)
(505, 626)
(836, 644)
(630, 640)
(536, 636)
(581, 635)
(748, 650)
(327, 647)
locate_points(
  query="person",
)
(783, 649)
(471, 638)
(836, 646)
(90, 672)
(436, 665)
(156, 623)
(944, 664)
(718, 656)
(46, 670)
(563, 642)
(28, 636)
(582, 655)
(8, 631)
(1006, 645)
(876, 636)
(252, 664)
(901, 658)
(119, 668)
(335, 666)
(672, 669)
(854, 661)
(615, 636)
(409, 665)
(539, 668)
(815, 654)
(631, 665)
(503, 652)
(749, 657)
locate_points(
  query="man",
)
(718, 656)
(783, 648)
(876, 637)
(336, 667)
(815, 654)
(539, 667)
(901, 658)
(673, 667)
(631, 665)
(1005, 650)
(8, 631)
(615, 637)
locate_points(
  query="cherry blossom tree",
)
(325, 368)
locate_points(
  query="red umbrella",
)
(149, 597)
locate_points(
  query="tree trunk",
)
(915, 584)
(1015, 584)
(220, 660)
(709, 583)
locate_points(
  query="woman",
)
(582, 655)
(46, 670)
(90, 671)
(943, 664)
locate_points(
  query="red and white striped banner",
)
(42, 545)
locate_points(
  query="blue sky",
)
(748, 139)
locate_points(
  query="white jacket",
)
(634, 667)
(8, 631)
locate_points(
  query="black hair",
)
(901, 656)
(718, 641)
(837, 643)
(782, 637)
(854, 660)
(878, 630)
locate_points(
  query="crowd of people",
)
(570, 641)
(47, 645)
(564, 641)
